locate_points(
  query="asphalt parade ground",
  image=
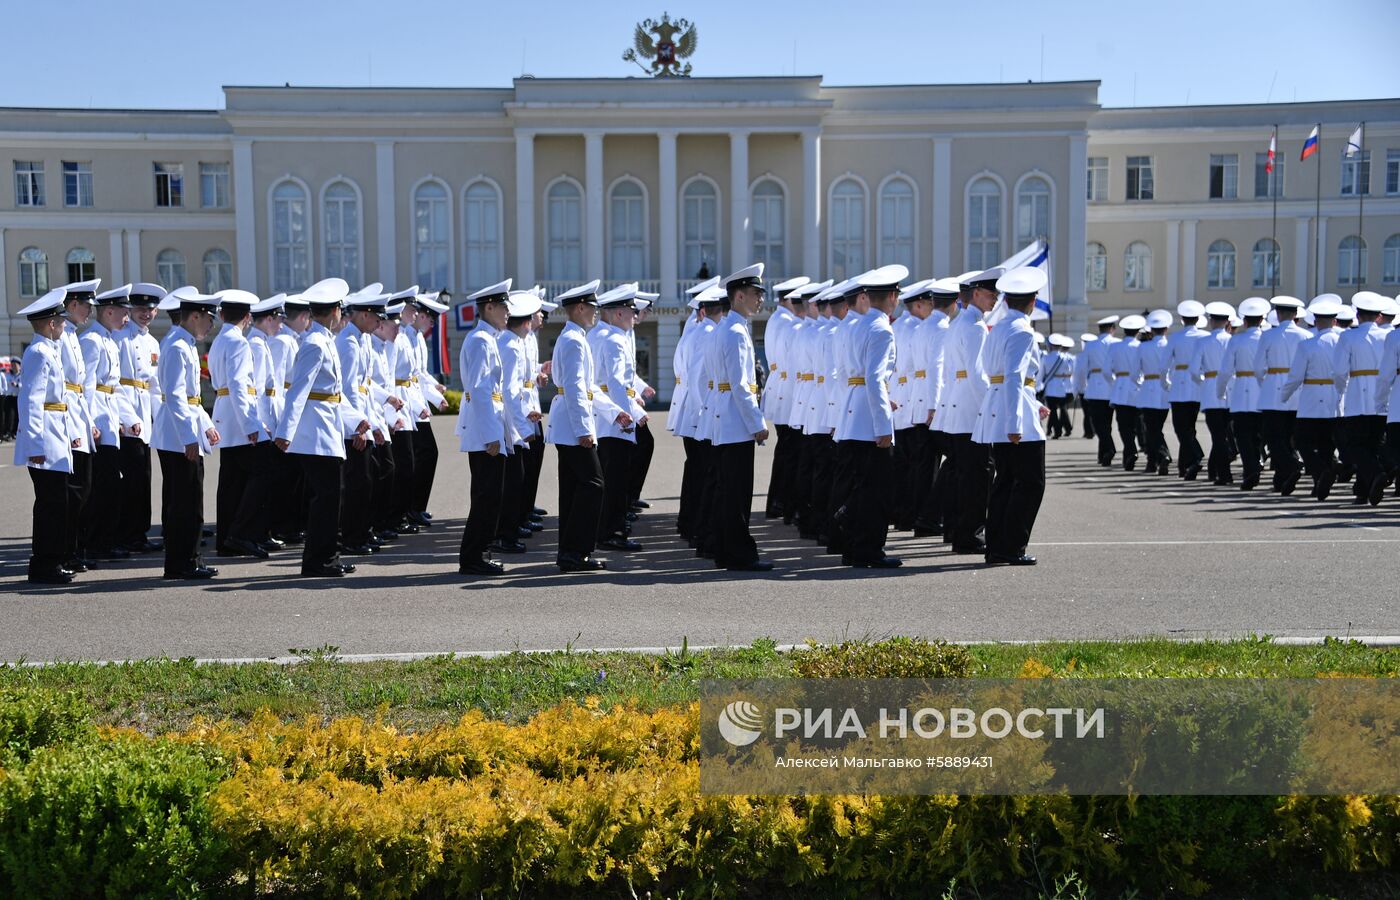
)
(1121, 555)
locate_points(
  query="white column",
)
(740, 232)
(666, 209)
(812, 203)
(668, 334)
(593, 204)
(387, 226)
(1078, 237)
(942, 207)
(525, 208)
(1173, 263)
(1188, 257)
(244, 221)
(1321, 254)
(7, 322)
(114, 250)
(1302, 254)
(133, 259)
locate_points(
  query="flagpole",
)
(1273, 189)
(1361, 202)
(1317, 212)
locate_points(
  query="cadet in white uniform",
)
(935, 473)
(484, 429)
(1358, 371)
(267, 381)
(1154, 369)
(646, 443)
(427, 311)
(516, 380)
(1122, 368)
(1238, 379)
(685, 397)
(911, 432)
(42, 441)
(776, 402)
(112, 415)
(1183, 392)
(962, 401)
(713, 305)
(531, 516)
(826, 498)
(614, 375)
(238, 417)
(82, 428)
(364, 309)
(1386, 399)
(288, 519)
(139, 352)
(842, 370)
(1057, 381)
(413, 412)
(1098, 388)
(1276, 349)
(1205, 369)
(1312, 377)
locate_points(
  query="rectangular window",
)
(1356, 174)
(77, 184)
(1224, 176)
(170, 184)
(213, 185)
(1139, 178)
(29, 183)
(1392, 172)
(1268, 185)
(1098, 179)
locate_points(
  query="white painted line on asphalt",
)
(1210, 543)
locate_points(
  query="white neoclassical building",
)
(555, 181)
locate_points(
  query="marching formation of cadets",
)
(926, 421)
(1305, 388)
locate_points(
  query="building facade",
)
(555, 181)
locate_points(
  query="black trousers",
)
(384, 474)
(820, 451)
(692, 476)
(1364, 435)
(322, 477)
(640, 462)
(512, 485)
(288, 493)
(973, 483)
(357, 483)
(9, 416)
(615, 454)
(868, 509)
(902, 488)
(1016, 494)
(98, 528)
(401, 499)
(48, 550)
(181, 509)
(842, 483)
(1341, 439)
(786, 455)
(1088, 427)
(488, 476)
(1390, 449)
(534, 463)
(933, 474)
(425, 460)
(1058, 424)
(1129, 420)
(79, 485)
(1101, 413)
(580, 499)
(705, 539)
(1247, 430)
(1222, 445)
(135, 515)
(1315, 441)
(1189, 452)
(1277, 425)
(734, 546)
(1154, 443)
(241, 495)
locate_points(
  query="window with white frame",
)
(1095, 267)
(1356, 174)
(1098, 179)
(1351, 261)
(564, 221)
(1390, 260)
(33, 272)
(1032, 211)
(1137, 267)
(291, 252)
(1224, 176)
(170, 268)
(897, 213)
(1268, 184)
(1392, 172)
(770, 227)
(77, 184)
(1140, 184)
(213, 185)
(82, 264)
(481, 215)
(627, 232)
(1264, 266)
(218, 271)
(700, 228)
(340, 231)
(846, 219)
(170, 184)
(432, 245)
(1220, 265)
(29, 183)
(983, 224)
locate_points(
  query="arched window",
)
(1390, 260)
(1095, 267)
(770, 227)
(481, 213)
(82, 265)
(1264, 264)
(627, 231)
(33, 272)
(1351, 260)
(846, 221)
(170, 269)
(565, 222)
(432, 246)
(1220, 265)
(340, 213)
(700, 228)
(1032, 211)
(897, 223)
(218, 271)
(1137, 267)
(291, 251)
(983, 224)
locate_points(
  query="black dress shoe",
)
(1377, 492)
(631, 517)
(523, 533)
(407, 528)
(757, 565)
(1287, 485)
(618, 542)
(58, 576)
(1164, 468)
(968, 549)
(329, 570)
(704, 554)
(1249, 484)
(77, 565)
(572, 562)
(994, 559)
(416, 518)
(508, 546)
(358, 549)
(347, 568)
(534, 526)
(539, 511)
(481, 567)
(198, 573)
(877, 562)
(111, 553)
(386, 536)
(1129, 464)
(1191, 472)
(146, 546)
(640, 504)
(240, 547)
(295, 537)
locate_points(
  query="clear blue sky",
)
(158, 53)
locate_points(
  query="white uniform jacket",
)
(1010, 405)
(43, 424)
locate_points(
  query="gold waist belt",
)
(136, 383)
(920, 373)
(404, 382)
(192, 401)
(1318, 381)
(1064, 375)
(783, 376)
(560, 392)
(527, 383)
(1359, 372)
(806, 376)
(724, 387)
(56, 407)
(270, 392)
(1121, 374)
(325, 398)
(224, 392)
(106, 389)
(1092, 371)
(1151, 377)
(1275, 371)
(75, 388)
(1212, 374)
(363, 388)
(1001, 379)
(960, 373)
(1244, 373)
(821, 379)
(904, 379)
(711, 385)
(494, 396)
(678, 381)
(1178, 368)
(855, 382)
(286, 385)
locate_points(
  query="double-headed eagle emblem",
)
(674, 42)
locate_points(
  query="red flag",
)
(1273, 145)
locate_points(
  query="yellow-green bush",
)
(454, 403)
(896, 657)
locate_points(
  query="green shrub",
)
(897, 657)
(454, 403)
(126, 817)
(30, 719)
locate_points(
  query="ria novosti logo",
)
(741, 723)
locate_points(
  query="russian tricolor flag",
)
(1310, 145)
